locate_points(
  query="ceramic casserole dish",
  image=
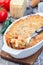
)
(21, 53)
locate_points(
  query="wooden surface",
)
(26, 61)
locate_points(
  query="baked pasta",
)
(22, 29)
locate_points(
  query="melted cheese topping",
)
(22, 30)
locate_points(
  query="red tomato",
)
(5, 4)
(2, 2)
(3, 15)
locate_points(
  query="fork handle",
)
(39, 30)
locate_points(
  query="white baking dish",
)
(21, 53)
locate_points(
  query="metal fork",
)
(34, 34)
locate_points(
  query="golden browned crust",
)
(23, 29)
